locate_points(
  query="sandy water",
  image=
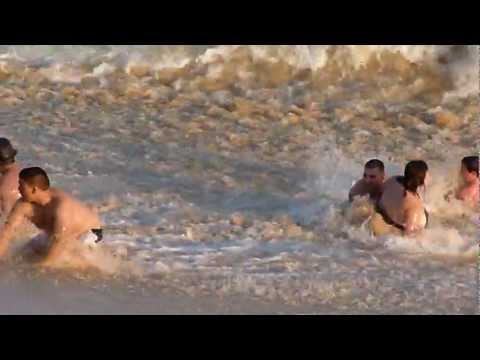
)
(233, 200)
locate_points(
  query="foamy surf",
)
(450, 70)
(453, 229)
(224, 171)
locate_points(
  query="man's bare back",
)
(61, 217)
(63, 214)
(402, 207)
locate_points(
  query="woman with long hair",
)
(400, 210)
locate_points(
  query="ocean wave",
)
(451, 70)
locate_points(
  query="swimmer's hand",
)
(413, 231)
(46, 263)
(410, 230)
(448, 196)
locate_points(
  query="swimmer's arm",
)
(463, 194)
(58, 238)
(460, 194)
(4, 205)
(448, 196)
(53, 254)
(357, 189)
(8, 202)
(19, 213)
(410, 224)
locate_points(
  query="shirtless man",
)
(61, 218)
(400, 210)
(9, 171)
(469, 191)
(372, 182)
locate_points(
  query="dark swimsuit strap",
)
(388, 219)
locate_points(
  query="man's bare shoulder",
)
(359, 188)
(22, 206)
(61, 196)
(67, 201)
(358, 185)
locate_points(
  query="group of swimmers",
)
(399, 208)
(26, 195)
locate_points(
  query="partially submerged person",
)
(469, 190)
(372, 182)
(400, 210)
(63, 220)
(9, 171)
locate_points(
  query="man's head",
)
(469, 170)
(33, 182)
(7, 153)
(374, 172)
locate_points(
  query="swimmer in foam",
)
(9, 171)
(400, 210)
(61, 218)
(469, 190)
(372, 182)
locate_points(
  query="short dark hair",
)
(35, 176)
(471, 163)
(375, 164)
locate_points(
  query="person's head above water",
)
(33, 184)
(469, 168)
(415, 174)
(374, 172)
(7, 153)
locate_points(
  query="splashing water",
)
(455, 65)
(224, 171)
